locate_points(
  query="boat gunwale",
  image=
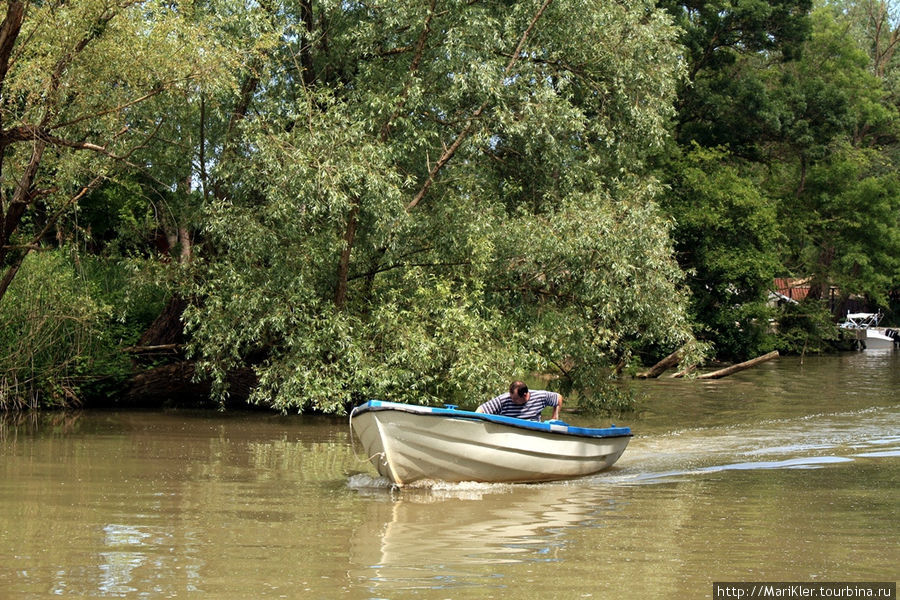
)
(612, 432)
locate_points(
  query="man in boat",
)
(522, 403)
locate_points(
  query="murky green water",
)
(786, 472)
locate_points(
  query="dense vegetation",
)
(328, 200)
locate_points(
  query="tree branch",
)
(119, 108)
(9, 32)
(413, 68)
(26, 133)
(470, 122)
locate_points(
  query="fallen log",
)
(661, 367)
(739, 367)
(683, 372)
(145, 349)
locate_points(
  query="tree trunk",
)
(173, 384)
(683, 372)
(306, 54)
(340, 294)
(9, 33)
(15, 212)
(167, 328)
(739, 367)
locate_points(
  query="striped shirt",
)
(531, 410)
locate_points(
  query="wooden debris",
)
(739, 367)
(660, 367)
(683, 372)
(156, 348)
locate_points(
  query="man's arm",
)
(559, 401)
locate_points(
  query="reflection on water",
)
(408, 542)
(117, 566)
(786, 472)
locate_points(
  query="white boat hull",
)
(876, 340)
(873, 339)
(409, 443)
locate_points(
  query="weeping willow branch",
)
(473, 118)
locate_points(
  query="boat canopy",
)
(861, 320)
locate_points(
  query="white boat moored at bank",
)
(868, 335)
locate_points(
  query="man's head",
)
(518, 392)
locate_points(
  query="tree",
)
(727, 236)
(729, 115)
(879, 21)
(87, 88)
(105, 139)
(841, 132)
(432, 199)
(729, 46)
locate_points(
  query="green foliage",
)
(855, 199)
(140, 53)
(805, 328)
(429, 216)
(50, 329)
(843, 215)
(831, 93)
(89, 90)
(730, 47)
(727, 233)
(804, 178)
(102, 108)
(607, 399)
(63, 325)
(597, 281)
(715, 30)
(419, 202)
(117, 218)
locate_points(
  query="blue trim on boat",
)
(549, 426)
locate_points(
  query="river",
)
(786, 472)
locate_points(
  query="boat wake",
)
(807, 442)
(425, 489)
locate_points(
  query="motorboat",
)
(868, 335)
(408, 443)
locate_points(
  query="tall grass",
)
(51, 326)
